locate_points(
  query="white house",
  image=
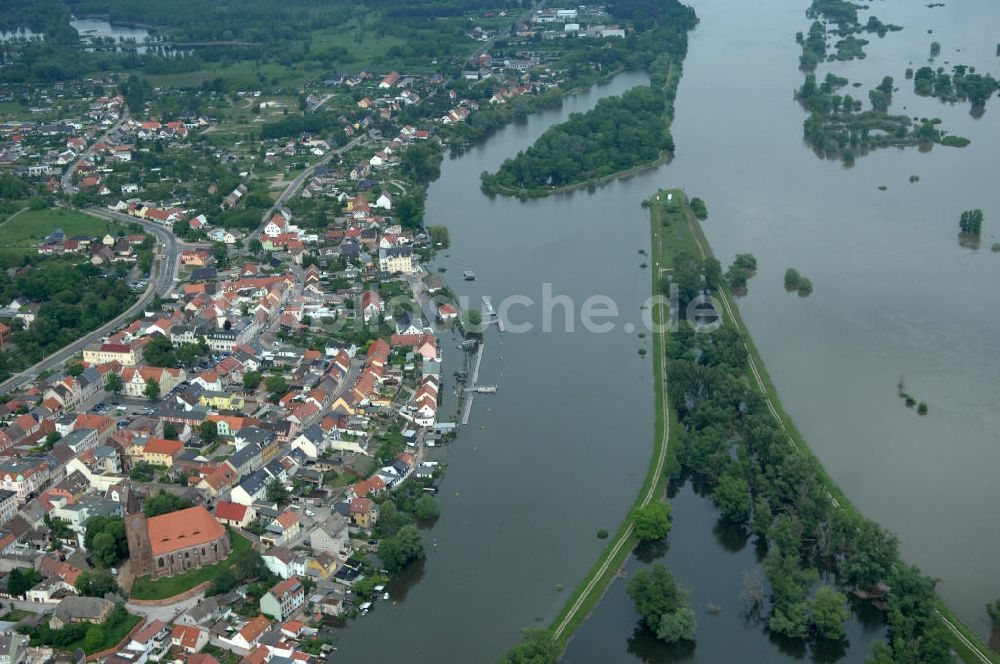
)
(311, 441)
(251, 488)
(276, 226)
(284, 562)
(396, 259)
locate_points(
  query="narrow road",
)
(11, 217)
(67, 178)
(169, 245)
(319, 102)
(296, 184)
(167, 613)
(647, 497)
(961, 637)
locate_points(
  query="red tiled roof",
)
(183, 529)
(253, 629)
(221, 477)
(186, 635)
(361, 506)
(149, 631)
(163, 446)
(230, 511)
(289, 586)
(293, 627)
(201, 658)
(287, 519)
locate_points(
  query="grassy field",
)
(32, 226)
(114, 636)
(146, 588)
(242, 74)
(360, 39)
(15, 615)
(12, 109)
(20, 234)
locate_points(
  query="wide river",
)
(560, 451)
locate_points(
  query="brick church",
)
(174, 543)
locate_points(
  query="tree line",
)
(963, 84)
(732, 445)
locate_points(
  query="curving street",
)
(165, 264)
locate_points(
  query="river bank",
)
(525, 194)
(963, 641)
(507, 489)
(871, 320)
(685, 237)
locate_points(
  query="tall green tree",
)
(829, 613)
(209, 431)
(164, 503)
(655, 593)
(113, 383)
(94, 638)
(401, 549)
(971, 222)
(97, 583)
(251, 380)
(159, 352)
(277, 493)
(104, 538)
(732, 497)
(993, 611)
(425, 507)
(652, 522)
(678, 625)
(536, 647)
(20, 581)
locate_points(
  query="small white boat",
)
(469, 275)
(385, 597)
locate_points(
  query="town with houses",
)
(234, 464)
(240, 352)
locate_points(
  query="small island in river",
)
(622, 134)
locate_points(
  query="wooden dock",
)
(468, 394)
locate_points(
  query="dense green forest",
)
(620, 132)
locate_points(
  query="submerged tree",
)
(661, 604)
(971, 222)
